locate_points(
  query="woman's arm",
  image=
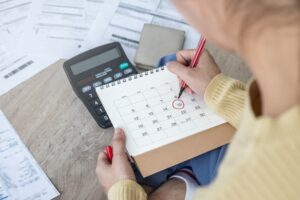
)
(226, 96)
(126, 190)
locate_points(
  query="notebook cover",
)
(156, 42)
(179, 151)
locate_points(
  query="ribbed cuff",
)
(226, 96)
(126, 190)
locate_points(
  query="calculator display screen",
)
(95, 61)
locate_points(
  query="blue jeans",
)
(204, 166)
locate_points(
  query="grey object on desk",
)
(157, 41)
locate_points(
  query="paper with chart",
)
(59, 27)
(147, 108)
(124, 23)
(21, 178)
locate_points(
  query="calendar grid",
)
(155, 118)
(122, 118)
(146, 107)
(149, 116)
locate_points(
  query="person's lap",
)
(203, 166)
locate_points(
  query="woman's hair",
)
(264, 15)
(279, 16)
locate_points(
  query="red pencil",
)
(109, 153)
(194, 62)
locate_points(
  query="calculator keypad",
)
(118, 75)
(124, 65)
(95, 103)
(107, 80)
(86, 88)
(97, 84)
(92, 98)
(127, 71)
(91, 95)
(105, 118)
(100, 110)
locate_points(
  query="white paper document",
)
(15, 65)
(59, 27)
(13, 17)
(127, 20)
(15, 68)
(21, 178)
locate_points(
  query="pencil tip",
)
(180, 92)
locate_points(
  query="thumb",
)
(118, 143)
(102, 163)
(183, 72)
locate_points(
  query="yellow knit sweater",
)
(263, 160)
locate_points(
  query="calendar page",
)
(147, 108)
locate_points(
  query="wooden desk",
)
(61, 134)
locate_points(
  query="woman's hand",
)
(196, 78)
(120, 168)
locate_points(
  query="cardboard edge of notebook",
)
(171, 154)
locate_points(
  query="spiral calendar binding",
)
(130, 78)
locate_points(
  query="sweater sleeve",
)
(226, 97)
(126, 190)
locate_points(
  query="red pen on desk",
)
(109, 153)
(194, 62)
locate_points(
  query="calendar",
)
(147, 108)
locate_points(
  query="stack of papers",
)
(35, 34)
(20, 176)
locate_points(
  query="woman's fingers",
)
(119, 148)
(189, 90)
(185, 56)
(183, 73)
(180, 70)
(196, 78)
(118, 143)
(102, 163)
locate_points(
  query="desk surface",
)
(61, 134)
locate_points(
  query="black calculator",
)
(96, 67)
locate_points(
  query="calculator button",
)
(118, 75)
(107, 79)
(105, 118)
(91, 95)
(128, 71)
(86, 89)
(124, 65)
(96, 84)
(100, 110)
(95, 103)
